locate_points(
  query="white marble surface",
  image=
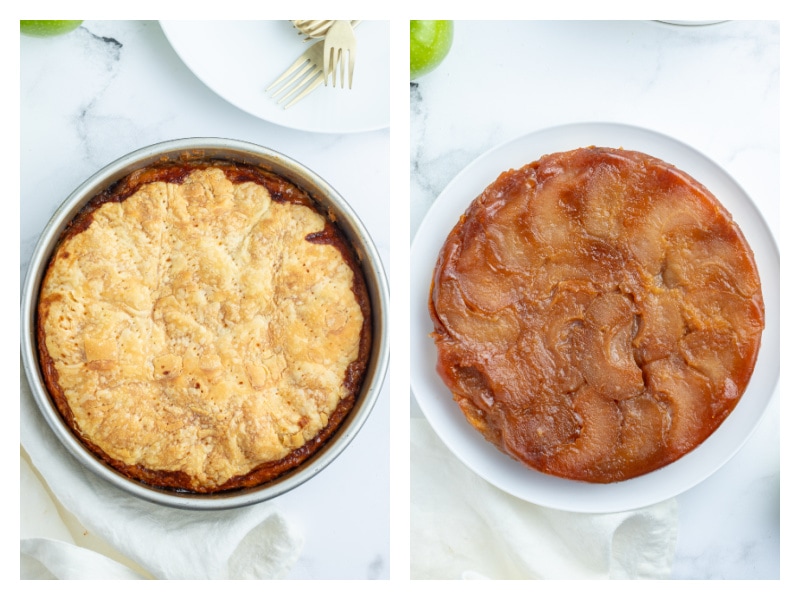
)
(108, 88)
(714, 87)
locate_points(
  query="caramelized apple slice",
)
(507, 233)
(718, 355)
(660, 326)
(561, 322)
(713, 309)
(712, 262)
(486, 287)
(607, 361)
(606, 200)
(688, 397)
(600, 426)
(469, 382)
(498, 329)
(549, 218)
(643, 438)
(666, 217)
(536, 432)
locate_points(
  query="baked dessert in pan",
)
(203, 327)
(597, 314)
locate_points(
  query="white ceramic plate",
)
(239, 59)
(511, 476)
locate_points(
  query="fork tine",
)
(304, 77)
(311, 87)
(326, 63)
(306, 68)
(340, 44)
(351, 66)
(336, 62)
(303, 59)
(342, 61)
(307, 73)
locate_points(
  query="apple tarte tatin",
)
(597, 314)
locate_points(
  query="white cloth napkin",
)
(465, 528)
(254, 542)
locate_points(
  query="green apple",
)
(430, 43)
(47, 28)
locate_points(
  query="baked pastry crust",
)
(202, 327)
(597, 314)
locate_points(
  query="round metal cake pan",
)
(328, 200)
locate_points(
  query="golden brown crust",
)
(202, 327)
(597, 314)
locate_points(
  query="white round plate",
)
(484, 459)
(239, 59)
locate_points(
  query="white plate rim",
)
(364, 108)
(512, 477)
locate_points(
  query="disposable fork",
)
(340, 41)
(302, 77)
(312, 29)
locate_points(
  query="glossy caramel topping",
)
(597, 314)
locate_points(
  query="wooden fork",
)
(312, 29)
(340, 41)
(302, 77)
